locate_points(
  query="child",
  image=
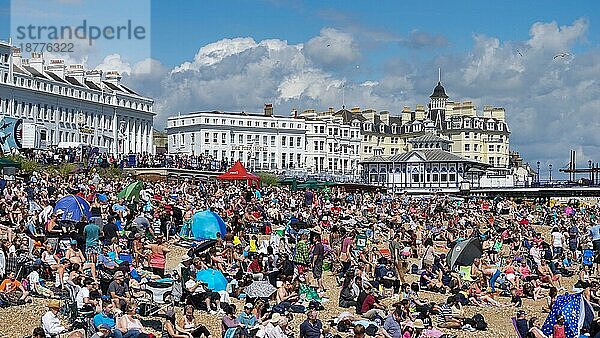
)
(253, 248)
(558, 331)
(515, 298)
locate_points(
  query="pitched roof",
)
(73, 81)
(428, 137)
(34, 72)
(55, 77)
(428, 155)
(349, 116)
(377, 158)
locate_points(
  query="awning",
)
(238, 172)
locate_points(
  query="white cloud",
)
(551, 104)
(332, 48)
(551, 37)
(114, 62)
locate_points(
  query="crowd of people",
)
(387, 253)
(95, 157)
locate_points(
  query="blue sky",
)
(181, 26)
(240, 54)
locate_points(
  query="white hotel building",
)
(69, 105)
(301, 145)
(261, 142)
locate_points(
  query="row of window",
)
(333, 164)
(339, 148)
(64, 90)
(234, 122)
(491, 148)
(67, 117)
(245, 139)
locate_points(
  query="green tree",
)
(27, 166)
(267, 179)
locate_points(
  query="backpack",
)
(298, 308)
(371, 330)
(480, 323)
(414, 269)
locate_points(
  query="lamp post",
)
(550, 169)
(591, 171)
(538, 172)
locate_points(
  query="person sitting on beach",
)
(547, 276)
(12, 291)
(52, 325)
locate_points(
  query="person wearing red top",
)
(255, 267)
(558, 331)
(371, 306)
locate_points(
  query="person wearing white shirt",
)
(50, 321)
(280, 330)
(35, 283)
(83, 295)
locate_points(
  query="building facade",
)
(300, 145)
(332, 146)
(68, 105)
(481, 137)
(428, 167)
(259, 141)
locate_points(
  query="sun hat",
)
(275, 318)
(249, 306)
(119, 274)
(54, 304)
(73, 242)
(418, 324)
(186, 258)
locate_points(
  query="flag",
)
(576, 310)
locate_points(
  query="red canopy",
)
(238, 172)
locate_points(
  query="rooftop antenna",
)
(344, 96)
(439, 75)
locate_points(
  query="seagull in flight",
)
(561, 55)
(519, 52)
(328, 45)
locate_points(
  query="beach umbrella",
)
(259, 289)
(74, 208)
(102, 197)
(464, 253)
(142, 221)
(206, 224)
(213, 278)
(131, 191)
(203, 246)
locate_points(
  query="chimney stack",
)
(94, 76)
(16, 54)
(268, 109)
(113, 77)
(37, 62)
(76, 71)
(295, 113)
(57, 66)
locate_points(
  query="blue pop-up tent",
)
(213, 278)
(74, 208)
(577, 311)
(206, 224)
